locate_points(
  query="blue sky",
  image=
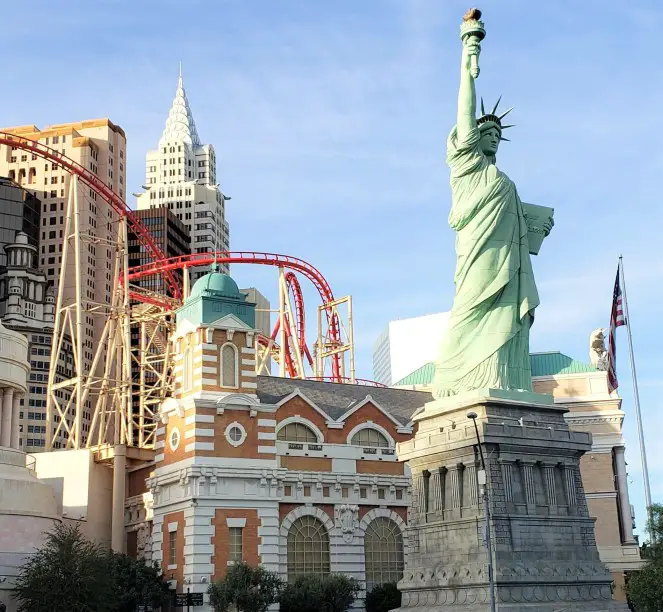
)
(330, 118)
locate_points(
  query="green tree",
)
(314, 593)
(383, 597)
(67, 574)
(135, 583)
(250, 589)
(644, 588)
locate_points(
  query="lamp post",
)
(483, 489)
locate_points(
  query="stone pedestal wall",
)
(544, 551)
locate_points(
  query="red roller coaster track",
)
(96, 184)
(268, 259)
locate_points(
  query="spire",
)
(180, 126)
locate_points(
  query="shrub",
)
(250, 589)
(383, 597)
(314, 593)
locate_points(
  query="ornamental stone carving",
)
(347, 519)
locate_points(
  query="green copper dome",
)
(213, 297)
(215, 283)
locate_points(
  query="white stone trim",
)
(251, 362)
(229, 439)
(199, 446)
(250, 385)
(192, 433)
(248, 350)
(369, 400)
(371, 425)
(267, 450)
(299, 419)
(158, 457)
(198, 418)
(249, 374)
(298, 393)
(172, 526)
(266, 435)
(236, 522)
(266, 422)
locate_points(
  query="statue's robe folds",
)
(487, 339)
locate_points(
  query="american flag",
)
(616, 320)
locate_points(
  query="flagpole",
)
(636, 395)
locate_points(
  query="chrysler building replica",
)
(181, 174)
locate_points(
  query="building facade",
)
(300, 476)
(19, 212)
(181, 175)
(407, 344)
(100, 146)
(27, 305)
(170, 234)
(583, 390)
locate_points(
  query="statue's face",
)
(490, 141)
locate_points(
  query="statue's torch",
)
(472, 28)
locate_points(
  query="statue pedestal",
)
(545, 556)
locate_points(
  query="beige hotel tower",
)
(100, 146)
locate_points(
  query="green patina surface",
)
(214, 296)
(542, 364)
(487, 340)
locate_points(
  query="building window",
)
(296, 432)
(172, 548)
(229, 366)
(369, 437)
(383, 550)
(174, 439)
(234, 544)
(308, 548)
(187, 379)
(235, 434)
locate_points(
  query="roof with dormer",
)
(337, 399)
(180, 126)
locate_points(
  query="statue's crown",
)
(492, 119)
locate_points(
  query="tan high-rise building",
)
(99, 146)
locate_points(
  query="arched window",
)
(296, 432)
(308, 548)
(187, 374)
(383, 552)
(369, 437)
(229, 366)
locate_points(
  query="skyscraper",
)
(100, 146)
(19, 212)
(181, 174)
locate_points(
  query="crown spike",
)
(504, 127)
(496, 105)
(505, 113)
(483, 110)
(502, 138)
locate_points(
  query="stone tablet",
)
(536, 216)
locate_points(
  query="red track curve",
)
(253, 257)
(95, 183)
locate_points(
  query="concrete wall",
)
(83, 487)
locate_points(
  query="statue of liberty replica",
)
(498, 517)
(487, 344)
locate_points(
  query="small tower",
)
(216, 462)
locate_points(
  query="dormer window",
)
(296, 432)
(229, 366)
(369, 437)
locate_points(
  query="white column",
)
(622, 490)
(15, 428)
(118, 537)
(5, 434)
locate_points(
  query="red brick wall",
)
(250, 539)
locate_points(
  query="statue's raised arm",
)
(472, 33)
